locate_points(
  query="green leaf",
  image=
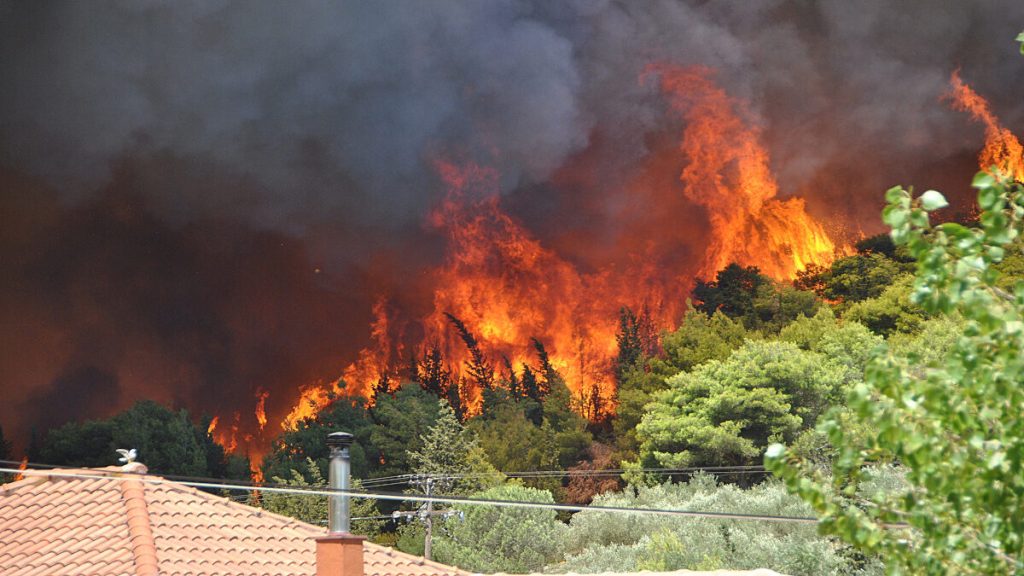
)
(1020, 38)
(774, 452)
(894, 194)
(983, 180)
(987, 198)
(933, 200)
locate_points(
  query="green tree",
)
(513, 443)
(450, 454)
(891, 312)
(627, 543)
(699, 338)
(312, 508)
(726, 412)
(399, 423)
(167, 442)
(498, 539)
(846, 343)
(778, 304)
(955, 425)
(292, 448)
(731, 292)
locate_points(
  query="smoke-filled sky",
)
(201, 200)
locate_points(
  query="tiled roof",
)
(54, 526)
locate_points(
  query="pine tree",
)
(451, 456)
(628, 338)
(512, 383)
(434, 376)
(455, 400)
(382, 386)
(546, 369)
(479, 368)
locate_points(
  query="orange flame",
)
(311, 400)
(21, 467)
(261, 411)
(373, 362)
(232, 443)
(1002, 149)
(213, 425)
(507, 287)
(728, 173)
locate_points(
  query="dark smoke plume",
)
(203, 199)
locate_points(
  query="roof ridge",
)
(140, 531)
(33, 476)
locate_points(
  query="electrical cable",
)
(454, 500)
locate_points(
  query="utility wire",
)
(454, 500)
(401, 479)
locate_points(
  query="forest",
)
(754, 363)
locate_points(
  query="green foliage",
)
(637, 340)
(847, 343)
(167, 442)
(778, 304)
(699, 338)
(312, 508)
(955, 424)
(860, 277)
(731, 292)
(726, 412)
(293, 447)
(747, 295)
(891, 312)
(492, 539)
(1011, 269)
(514, 443)
(449, 452)
(597, 542)
(400, 421)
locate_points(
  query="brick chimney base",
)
(339, 554)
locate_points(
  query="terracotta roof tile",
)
(52, 525)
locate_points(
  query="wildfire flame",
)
(506, 287)
(1002, 149)
(261, 409)
(728, 173)
(232, 444)
(21, 467)
(373, 362)
(311, 400)
(213, 425)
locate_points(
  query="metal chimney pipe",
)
(339, 477)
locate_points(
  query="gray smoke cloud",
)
(291, 114)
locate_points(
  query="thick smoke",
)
(203, 199)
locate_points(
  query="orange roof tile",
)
(53, 526)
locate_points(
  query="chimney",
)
(339, 553)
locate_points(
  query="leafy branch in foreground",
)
(956, 425)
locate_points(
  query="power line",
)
(453, 500)
(408, 479)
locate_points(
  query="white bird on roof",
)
(128, 456)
